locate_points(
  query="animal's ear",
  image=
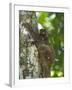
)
(42, 30)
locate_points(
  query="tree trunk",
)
(28, 20)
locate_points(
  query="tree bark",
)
(28, 19)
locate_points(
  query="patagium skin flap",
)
(45, 59)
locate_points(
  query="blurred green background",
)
(54, 23)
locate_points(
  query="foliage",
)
(54, 23)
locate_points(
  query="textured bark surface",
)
(28, 20)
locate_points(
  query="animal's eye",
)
(48, 57)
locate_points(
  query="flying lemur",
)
(45, 54)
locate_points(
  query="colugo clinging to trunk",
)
(45, 55)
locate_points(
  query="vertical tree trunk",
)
(28, 20)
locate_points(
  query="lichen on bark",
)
(31, 43)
